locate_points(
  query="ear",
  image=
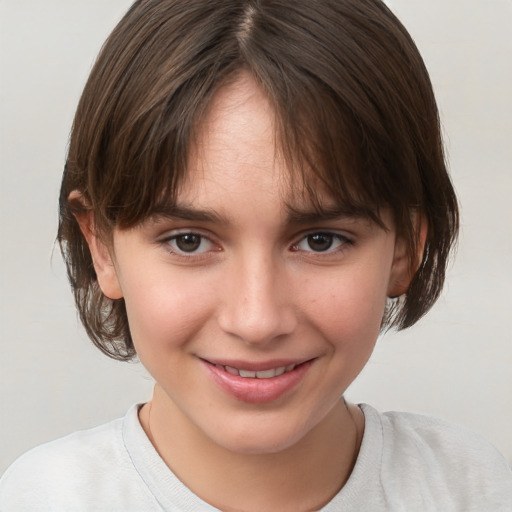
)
(100, 252)
(403, 268)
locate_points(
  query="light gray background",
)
(457, 363)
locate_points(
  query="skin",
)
(255, 289)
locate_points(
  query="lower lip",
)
(258, 391)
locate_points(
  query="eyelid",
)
(168, 234)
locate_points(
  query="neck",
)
(302, 477)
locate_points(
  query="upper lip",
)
(255, 366)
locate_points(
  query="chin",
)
(271, 438)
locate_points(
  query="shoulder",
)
(424, 434)
(46, 470)
(429, 457)
(63, 473)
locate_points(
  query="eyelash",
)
(339, 241)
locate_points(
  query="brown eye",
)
(320, 242)
(189, 245)
(188, 242)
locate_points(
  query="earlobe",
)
(101, 256)
(403, 268)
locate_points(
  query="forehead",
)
(236, 131)
(236, 146)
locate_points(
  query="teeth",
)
(247, 374)
(265, 374)
(231, 370)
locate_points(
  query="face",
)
(252, 313)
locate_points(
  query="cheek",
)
(165, 311)
(348, 307)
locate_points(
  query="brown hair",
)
(353, 103)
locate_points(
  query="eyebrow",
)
(184, 212)
(295, 215)
(313, 216)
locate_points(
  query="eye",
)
(189, 243)
(321, 242)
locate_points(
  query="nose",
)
(258, 304)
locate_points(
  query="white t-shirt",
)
(407, 463)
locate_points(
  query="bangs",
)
(147, 159)
(322, 149)
(316, 138)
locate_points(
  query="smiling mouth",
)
(258, 383)
(264, 374)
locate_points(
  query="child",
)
(254, 190)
